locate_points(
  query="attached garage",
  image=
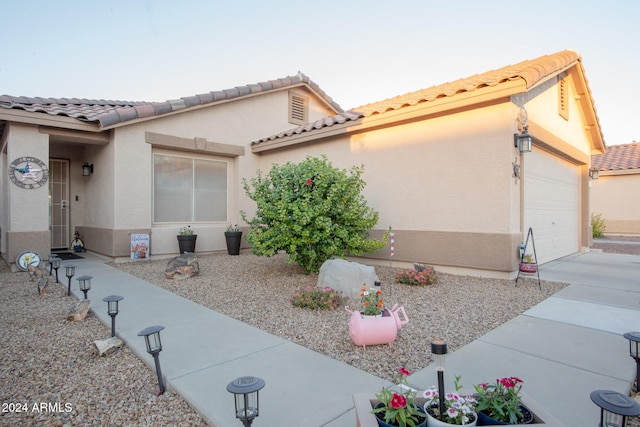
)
(551, 204)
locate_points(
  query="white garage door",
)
(551, 204)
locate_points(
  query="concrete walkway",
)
(563, 348)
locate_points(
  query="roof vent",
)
(298, 106)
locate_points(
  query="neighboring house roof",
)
(618, 157)
(108, 113)
(531, 71)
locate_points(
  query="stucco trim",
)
(460, 249)
(26, 117)
(195, 145)
(547, 141)
(65, 135)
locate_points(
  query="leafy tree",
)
(312, 211)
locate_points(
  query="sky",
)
(357, 51)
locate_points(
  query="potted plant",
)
(186, 239)
(233, 236)
(501, 403)
(371, 301)
(458, 410)
(399, 408)
(527, 264)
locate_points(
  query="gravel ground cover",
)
(49, 370)
(50, 375)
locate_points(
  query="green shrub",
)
(312, 211)
(427, 276)
(315, 298)
(597, 225)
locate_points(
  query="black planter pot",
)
(234, 238)
(485, 420)
(187, 243)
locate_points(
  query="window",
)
(297, 108)
(189, 189)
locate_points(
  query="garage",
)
(551, 204)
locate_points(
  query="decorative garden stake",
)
(85, 284)
(70, 271)
(112, 309)
(245, 391)
(154, 347)
(614, 407)
(439, 350)
(634, 352)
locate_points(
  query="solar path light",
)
(112, 309)
(154, 347)
(245, 392)
(85, 284)
(70, 270)
(615, 407)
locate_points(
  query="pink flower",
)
(398, 401)
(404, 372)
(308, 182)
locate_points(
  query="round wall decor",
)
(28, 172)
(27, 258)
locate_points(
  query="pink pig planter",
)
(366, 331)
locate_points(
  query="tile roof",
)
(108, 112)
(618, 157)
(531, 71)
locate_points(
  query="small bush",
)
(316, 298)
(597, 225)
(427, 276)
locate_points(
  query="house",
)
(110, 169)
(443, 170)
(614, 193)
(443, 165)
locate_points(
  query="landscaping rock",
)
(346, 276)
(106, 346)
(183, 266)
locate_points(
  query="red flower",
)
(309, 182)
(398, 401)
(404, 372)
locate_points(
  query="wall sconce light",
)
(87, 169)
(245, 391)
(614, 407)
(154, 347)
(594, 173)
(634, 352)
(523, 142)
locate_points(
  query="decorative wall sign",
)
(27, 258)
(28, 172)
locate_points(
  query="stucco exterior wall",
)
(27, 222)
(129, 160)
(444, 185)
(614, 195)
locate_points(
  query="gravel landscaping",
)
(50, 372)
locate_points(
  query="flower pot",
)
(366, 331)
(432, 421)
(187, 243)
(528, 267)
(234, 238)
(485, 420)
(381, 423)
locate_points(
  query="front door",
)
(59, 203)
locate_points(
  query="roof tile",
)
(531, 71)
(618, 157)
(110, 112)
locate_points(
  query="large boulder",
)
(183, 266)
(346, 276)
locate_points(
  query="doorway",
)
(59, 203)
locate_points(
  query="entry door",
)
(59, 203)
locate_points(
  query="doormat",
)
(67, 255)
